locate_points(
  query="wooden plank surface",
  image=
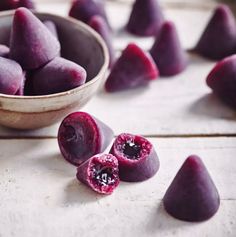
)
(40, 194)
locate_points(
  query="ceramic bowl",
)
(80, 44)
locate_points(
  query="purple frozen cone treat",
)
(57, 76)
(4, 51)
(26, 3)
(137, 158)
(11, 76)
(32, 45)
(134, 68)
(8, 5)
(81, 136)
(146, 18)
(167, 52)
(100, 173)
(84, 10)
(222, 80)
(192, 195)
(51, 27)
(99, 24)
(219, 38)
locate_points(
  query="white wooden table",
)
(40, 196)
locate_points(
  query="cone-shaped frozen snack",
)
(192, 195)
(8, 5)
(11, 76)
(222, 80)
(167, 51)
(100, 173)
(31, 44)
(137, 158)
(4, 51)
(84, 10)
(219, 38)
(26, 3)
(146, 18)
(51, 27)
(99, 24)
(81, 136)
(134, 68)
(57, 76)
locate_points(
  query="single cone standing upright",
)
(100, 25)
(167, 51)
(219, 37)
(134, 68)
(31, 44)
(146, 18)
(192, 195)
(84, 10)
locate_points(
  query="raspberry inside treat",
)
(104, 173)
(100, 173)
(137, 158)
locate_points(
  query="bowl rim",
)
(85, 27)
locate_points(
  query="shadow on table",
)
(210, 106)
(161, 221)
(78, 193)
(55, 163)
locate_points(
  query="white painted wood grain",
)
(41, 197)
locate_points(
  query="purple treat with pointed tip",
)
(222, 80)
(81, 136)
(51, 27)
(167, 51)
(4, 51)
(137, 158)
(192, 195)
(31, 43)
(11, 76)
(57, 76)
(8, 5)
(100, 173)
(84, 10)
(134, 68)
(146, 18)
(26, 3)
(219, 38)
(99, 24)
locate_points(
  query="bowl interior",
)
(78, 44)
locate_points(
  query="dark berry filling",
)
(132, 147)
(103, 175)
(132, 150)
